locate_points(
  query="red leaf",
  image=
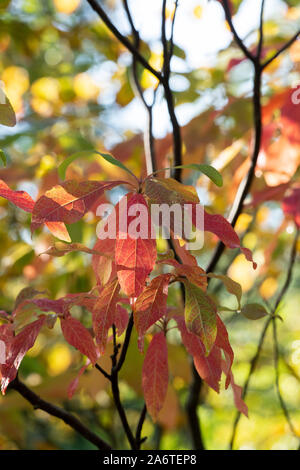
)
(18, 347)
(74, 384)
(291, 205)
(79, 337)
(218, 225)
(269, 193)
(151, 305)
(237, 391)
(169, 191)
(67, 202)
(104, 266)
(222, 342)
(135, 255)
(104, 312)
(184, 255)
(208, 367)
(18, 198)
(155, 374)
(121, 319)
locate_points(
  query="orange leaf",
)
(135, 254)
(68, 202)
(18, 198)
(104, 312)
(151, 305)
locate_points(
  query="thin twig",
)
(261, 30)
(234, 32)
(191, 409)
(263, 335)
(139, 428)
(138, 91)
(283, 48)
(275, 337)
(123, 39)
(251, 370)
(53, 410)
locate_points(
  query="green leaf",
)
(254, 311)
(231, 286)
(86, 154)
(207, 170)
(3, 157)
(200, 315)
(7, 114)
(109, 158)
(64, 165)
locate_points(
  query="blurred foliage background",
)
(70, 84)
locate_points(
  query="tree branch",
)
(263, 335)
(53, 410)
(139, 428)
(138, 91)
(275, 337)
(284, 48)
(123, 39)
(234, 32)
(191, 409)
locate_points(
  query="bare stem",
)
(53, 410)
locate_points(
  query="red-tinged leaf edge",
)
(20, 199)
(79, 337)
(155, 375)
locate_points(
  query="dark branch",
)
(284, 48)
(139, 428)
(191, 409)
(123, 39)
(233, 30)
(261, 31)
(53, 410)
(138, 91)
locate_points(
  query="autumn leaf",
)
(200, 315)
(169, 191)
(231, 286)
(7, 114)
(237, 391)
(104, 265)
(75, 382)
(67, 203)
(79, 337)
(151, 305)
(155, 375)
(18, 198)
(207, 366)
(60, 249)
(121, 319)
(104, 312)
(18, 347)
(135, 255)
